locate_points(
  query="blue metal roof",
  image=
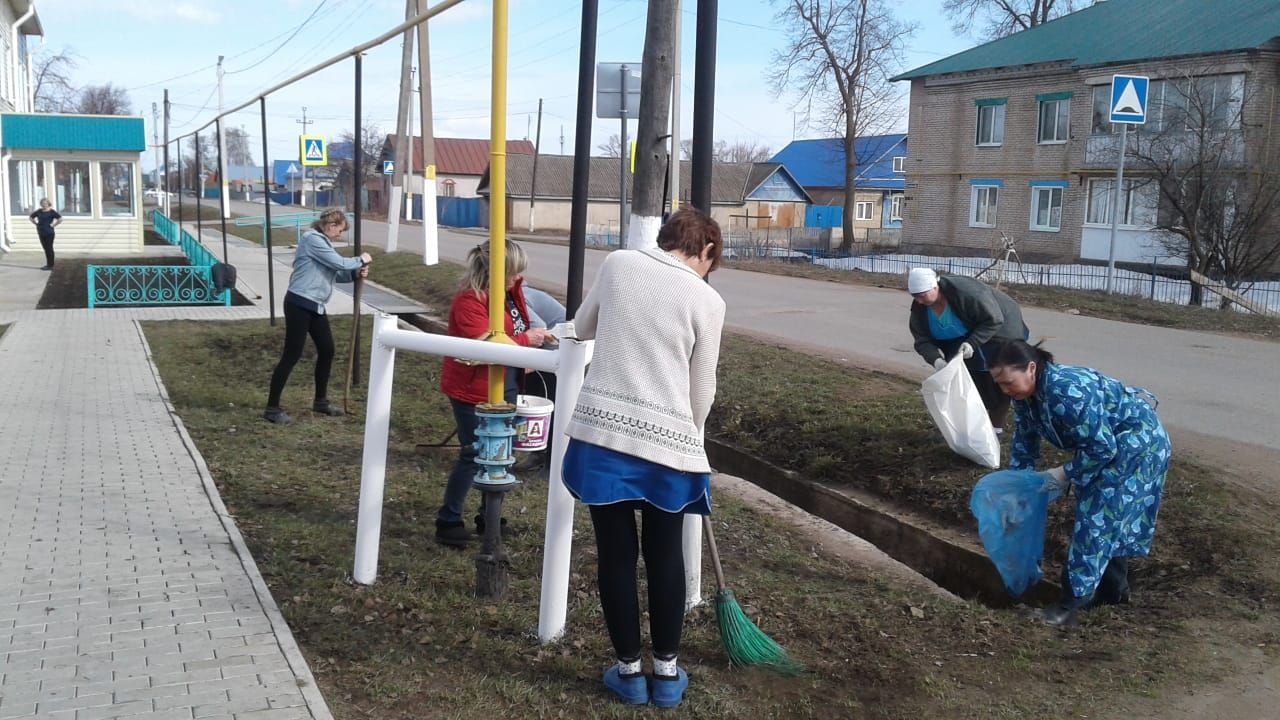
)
(105, 133)
(820, 163)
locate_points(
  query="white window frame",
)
(895, 207)
(996, 139)
(858, 208)
(1046, 192)
(1061, 133)
(1133, 189)
(899, 163)
(983, 191)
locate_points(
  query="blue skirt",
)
(599, 476)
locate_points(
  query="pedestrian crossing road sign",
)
(1129, 99)
(388, 167)
(312, 150)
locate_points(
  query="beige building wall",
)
(98, 234)
(554, 214)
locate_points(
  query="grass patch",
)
(1093, 303)
(418, 639)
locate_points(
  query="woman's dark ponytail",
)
(1018, 354)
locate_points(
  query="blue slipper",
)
(667, 692)
(630, 689)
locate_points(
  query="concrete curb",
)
(284, 636)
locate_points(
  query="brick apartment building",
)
(1013, 136)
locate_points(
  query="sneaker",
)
(502, 527)
(47, 267)
(667, 692)
(324, 407)
(629, 689)
(452, 533)
(277, 416)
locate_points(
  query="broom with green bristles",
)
(745, 643)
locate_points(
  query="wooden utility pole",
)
(655, 108)
(675, 124)
(537, 145)
(430, 231)
(404, 164)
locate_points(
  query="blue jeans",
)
(464, 469)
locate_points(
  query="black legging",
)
(298, 323)
(47, 244)
(661, 537)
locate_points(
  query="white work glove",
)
(939, 363)
(1058, 476)
(966, 350)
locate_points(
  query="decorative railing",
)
(153, 285)
(159, 284)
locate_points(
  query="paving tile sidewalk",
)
(125, 589)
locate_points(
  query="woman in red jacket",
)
(467, 384)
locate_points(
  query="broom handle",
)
(351, 354)
(715, 553)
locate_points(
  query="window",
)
(982, 202)
(1140, 198)
(864, 210)
(71, 187)
(990, 123)
(895, 207)
(26, 186)
(1055, 114)
(1214, 100)
(899, 164)
(450, 188)
(117, 189)
(1046, 208)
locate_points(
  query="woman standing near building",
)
(46, 219)
(637, 437)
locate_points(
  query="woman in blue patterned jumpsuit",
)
(1121, 455)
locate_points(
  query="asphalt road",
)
(1216, 386)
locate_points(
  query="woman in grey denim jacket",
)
(316, 267)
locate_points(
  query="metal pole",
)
(222, 190)
(430, 223)
(224, 200)
(178, 147)
(622, 172)
(581, 155)
(1116, 209)
(266, 206)
(165, 190)
(199, 192)
(537, 148)
(358, 185)
(704, 104)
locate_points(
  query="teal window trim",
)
(1048, 183)
(983, 102)
(1047, 97)
(990, 182)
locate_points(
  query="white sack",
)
(957, 410)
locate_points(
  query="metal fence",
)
(1151, 285)
(159, 284)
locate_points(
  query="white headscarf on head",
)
(921, 279)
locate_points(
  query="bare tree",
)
(686, 149)
(611, 148)
(239, 151)
(1218, 194)
(994, 19)
(104, 100)
(371, 141)
(741, 151)
(838, 58)
(54, 91)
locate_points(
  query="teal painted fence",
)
(159, 284)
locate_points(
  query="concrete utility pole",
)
(410, 153)
(675, 116)
(302, 193)
(165, 196)
(222, 154)
(655, 105)
(537, 146)
(399, 172)
(624, 152)
(430, 231)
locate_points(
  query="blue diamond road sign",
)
(388, 167)
(1129, 99)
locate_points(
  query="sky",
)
(147, 46)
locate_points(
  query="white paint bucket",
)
(533, 423)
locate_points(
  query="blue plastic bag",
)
(1012, 507)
